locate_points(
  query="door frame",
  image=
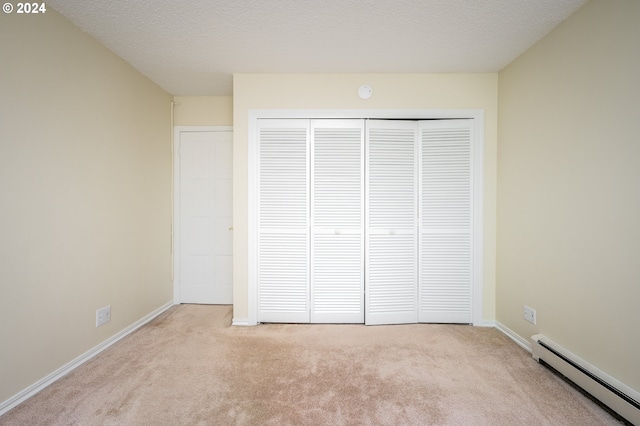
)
(477, 115)
(175, 195)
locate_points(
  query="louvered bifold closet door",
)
(446, 212)
(337, 206)
(391, 225)
(283, 221)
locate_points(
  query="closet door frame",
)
(477, 115)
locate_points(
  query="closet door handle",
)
(337, 231)
(392, 231)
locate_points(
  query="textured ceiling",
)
(194, 47)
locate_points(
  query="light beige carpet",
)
(190, 367)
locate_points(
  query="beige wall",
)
(569, 188)
(203, 111)
(85, 175)
(335, 91)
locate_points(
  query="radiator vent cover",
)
(611, 392)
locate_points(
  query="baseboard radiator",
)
(609, 391)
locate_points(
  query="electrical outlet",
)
(103, 315)
(530, 314)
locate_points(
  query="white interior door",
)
(392, 211)
(446, 206)
(283, 221)
(204, 197)
(337, 216)
(365, 220)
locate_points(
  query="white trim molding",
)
(407, 114)
(486, 323)
(520, 341)
(72, 365)
(240, 321)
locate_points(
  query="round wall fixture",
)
(365, 91)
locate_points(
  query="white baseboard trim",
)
(240, 321)
(245, 322)
(486, 323)
(523, 343)
(72, 365)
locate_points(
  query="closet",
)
(364, 221)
